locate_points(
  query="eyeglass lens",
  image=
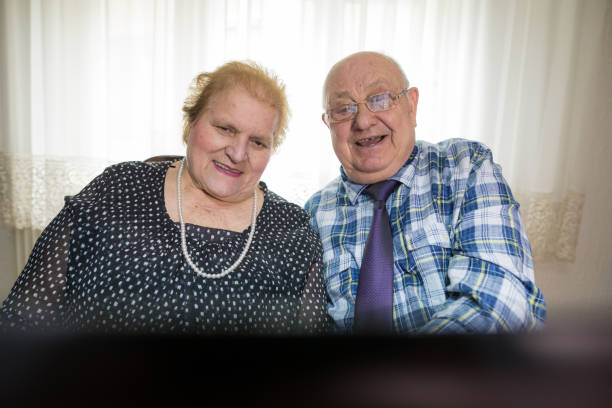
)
(379, 102)
(375, 103)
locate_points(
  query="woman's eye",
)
(228, 130)
(259, 143)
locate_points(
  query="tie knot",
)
(381, 191)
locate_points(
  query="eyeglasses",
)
(375, 103)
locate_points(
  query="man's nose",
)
(364, 118)
(237, 150)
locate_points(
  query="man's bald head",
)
(361, 58)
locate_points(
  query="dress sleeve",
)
(490, 281)
(37, 300)
(313, 317)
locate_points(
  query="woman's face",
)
(230, 145)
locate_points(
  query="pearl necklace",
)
(184, 239)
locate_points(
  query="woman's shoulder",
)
(135, 172)
(285, 210)
(120, 180)
(120, 170)
(290, 222)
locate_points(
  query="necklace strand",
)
(184, 239)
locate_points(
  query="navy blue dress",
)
(111, 262)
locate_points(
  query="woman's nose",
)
(237, 150)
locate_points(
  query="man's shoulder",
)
(457, 156)
(327, 197)
(453, 150)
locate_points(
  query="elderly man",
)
(417, 237)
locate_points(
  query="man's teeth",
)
(228, 169)
(370, 141)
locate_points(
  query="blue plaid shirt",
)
(462, 258)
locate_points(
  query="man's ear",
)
(413, 101)
(323, 119)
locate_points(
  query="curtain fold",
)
(86, 83)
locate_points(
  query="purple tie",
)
(374, 302)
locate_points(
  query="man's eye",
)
(380, 100)
(348, 108)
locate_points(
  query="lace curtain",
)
(87, 83)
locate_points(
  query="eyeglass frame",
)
(394, 99)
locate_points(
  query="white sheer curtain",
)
(86, 83)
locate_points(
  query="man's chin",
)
(369, 176)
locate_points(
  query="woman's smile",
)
(227, 170)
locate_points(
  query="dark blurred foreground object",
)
(539, 369)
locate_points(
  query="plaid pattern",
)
(462, 258)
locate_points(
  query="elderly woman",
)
(198, 245)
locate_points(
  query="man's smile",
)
(370, 141)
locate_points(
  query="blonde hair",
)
(256, 80)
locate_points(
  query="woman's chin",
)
(230, 193)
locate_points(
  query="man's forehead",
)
(349, 87)
(361, 75)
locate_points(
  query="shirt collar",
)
(405, 175)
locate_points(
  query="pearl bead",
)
(184, 239)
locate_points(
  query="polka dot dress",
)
(111, 262)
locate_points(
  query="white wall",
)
(581, 291)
